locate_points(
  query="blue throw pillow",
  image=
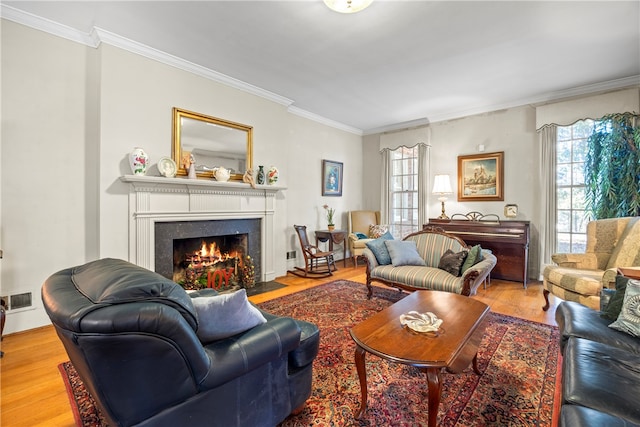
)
(404, 252)
(361, 236)
(379, 249)
(223, 315)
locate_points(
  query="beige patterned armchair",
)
(611, 243)
(359, 222)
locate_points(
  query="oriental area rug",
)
(518, 361)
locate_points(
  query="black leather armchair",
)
(131, 335)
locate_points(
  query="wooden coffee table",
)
(453, 347)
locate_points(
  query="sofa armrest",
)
(605, 296)
(242, 353)
(481, 269)
(580, 260)
(609, 278)
(353, 237)
(372, 262)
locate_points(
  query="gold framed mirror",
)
(212, 142)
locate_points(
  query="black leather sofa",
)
(131, 335)
(600, 369)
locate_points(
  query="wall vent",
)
(20, 301)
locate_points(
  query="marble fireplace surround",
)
(159, 199)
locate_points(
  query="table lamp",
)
(442, 187)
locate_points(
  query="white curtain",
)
(423, 184)
(385, 187)
(547, 136)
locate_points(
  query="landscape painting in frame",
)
(481, 177)
(331, 178)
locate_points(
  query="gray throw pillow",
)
(613, 308)
(629, 318)
(224, 315)
(379, 249)
(404, 252)
(451, 262)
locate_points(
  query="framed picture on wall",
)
(331, 178)
(481, 177)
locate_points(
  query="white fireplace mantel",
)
(158, 199)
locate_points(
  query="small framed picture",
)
(331, 178)
(481, 177)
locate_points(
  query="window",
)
(404, 191)
(570, 189)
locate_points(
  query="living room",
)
(72, 111)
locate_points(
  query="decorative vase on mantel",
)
(331, 227)
(260, 178)
(272, 175)
(138, 159)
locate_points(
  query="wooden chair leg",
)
(546, 299)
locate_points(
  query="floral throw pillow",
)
(376, 231)
(629, 318)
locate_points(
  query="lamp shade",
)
(442, 184)
(347, 6)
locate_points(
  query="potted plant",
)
(330, 212)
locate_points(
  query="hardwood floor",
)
(33, 394)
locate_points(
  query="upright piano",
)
(508, 240)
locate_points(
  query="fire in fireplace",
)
(222, 254)
(219, 262)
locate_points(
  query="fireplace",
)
(219, 254)
(162, 202)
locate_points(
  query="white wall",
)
(511, 131)
(44, 163)
(72, 113)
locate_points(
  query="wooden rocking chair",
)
(317, 263)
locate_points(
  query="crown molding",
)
(47, 25)
(323, 120)
(98, 36)
(545, 98)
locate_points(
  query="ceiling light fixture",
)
(347, 6)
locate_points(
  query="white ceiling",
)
(395, 64)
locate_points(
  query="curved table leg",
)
(475, 364)
(435, 388)
(362, 376)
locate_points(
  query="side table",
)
(333, 236)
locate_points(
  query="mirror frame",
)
(176, 149)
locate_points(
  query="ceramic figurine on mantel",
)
(189, 163)
(138, 160)
(248, 178)
(260, 179)
(272, 175)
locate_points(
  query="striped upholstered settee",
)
(431, 246)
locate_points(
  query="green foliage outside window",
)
(612, 167)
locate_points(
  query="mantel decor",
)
(481, 177)
(331, 178)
